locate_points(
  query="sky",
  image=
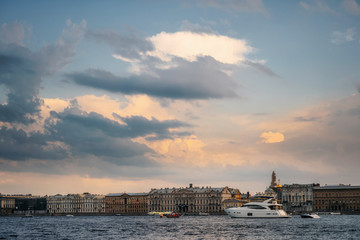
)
(125, 96)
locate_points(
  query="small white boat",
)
(69, 215)
(265, 209)
(309, 215)
(335, 213)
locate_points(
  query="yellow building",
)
(126, 203)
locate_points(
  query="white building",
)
(85, 203)
(297, 197)
(190, 199)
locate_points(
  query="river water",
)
(186, 227)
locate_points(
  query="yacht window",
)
(255, 207)
(249, 214)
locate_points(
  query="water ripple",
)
(187, 227)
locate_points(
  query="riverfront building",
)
(297, 197)
(126, 203)
(7, 205)
(34, 205)
(22, 204)
(85, 203)
(190, 199)
(341, 198)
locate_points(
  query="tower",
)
(273, 180)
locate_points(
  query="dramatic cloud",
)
(74, 133)
(91, 133)
(21, 70)
(319, 6)
(338, 37)
(18, 145)
(180, 65)
(20, 75)
(352, 7)
(201, 79)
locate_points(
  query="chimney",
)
(190, 186)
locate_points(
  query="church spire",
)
(273, 180)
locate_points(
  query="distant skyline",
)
(125, 96)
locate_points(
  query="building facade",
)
(341, 198)
(85, 203)
(22, 204)
(35, 205)
(126, 203)
(297, 197)
(190, 200)
(7, 205)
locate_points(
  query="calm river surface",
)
(186, 227)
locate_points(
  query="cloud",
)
(201, 79)
(261, 68)
(351, 6)
(190, 46)
(358, 86)
(128, 46)
(332, 142)
(319, 6)
(180, 65)
(12, 33)
(272, 137)
(21, 70)
(71, 133)
(140, 126)
(91, 133)
(20, 146)
(20, 76)
(338, 37)
(236, 5)
(304, 119)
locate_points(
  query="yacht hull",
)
(253, 213)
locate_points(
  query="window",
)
(249, 214)
(255, 207)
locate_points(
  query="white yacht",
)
(265, 209)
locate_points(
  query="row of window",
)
(337, 194)
(197, 201)
(186, 196)
(190, 209)
(337, 201)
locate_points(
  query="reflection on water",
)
(187, 227)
